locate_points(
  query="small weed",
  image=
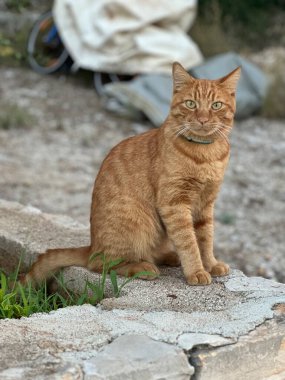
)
(4, 41)
(226, 218)
(107, 268)
(13, 47)
(13, 116)
(17, 300)
(6, 48)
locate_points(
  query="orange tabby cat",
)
(153, 198)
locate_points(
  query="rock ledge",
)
(233, 329)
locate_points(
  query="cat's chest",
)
(207, 172)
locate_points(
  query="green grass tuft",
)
(17, 300)
(12, 116)
(226, 218)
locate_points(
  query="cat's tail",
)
(50, 262)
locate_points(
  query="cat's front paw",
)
(201, 277)
(220, 269)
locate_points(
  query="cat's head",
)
(203, 108)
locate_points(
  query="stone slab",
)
(259, 355)
(138, 357)
(87, 342)
(26, 231)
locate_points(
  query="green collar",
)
(191, 139)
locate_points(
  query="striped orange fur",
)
(153, 199)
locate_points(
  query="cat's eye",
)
(217, 105)
(190, 104)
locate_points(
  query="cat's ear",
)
(180, 76)
(230, 81)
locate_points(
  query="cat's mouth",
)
(199, 130)
(202, 132)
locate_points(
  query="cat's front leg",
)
(204, 230)
(180, 230)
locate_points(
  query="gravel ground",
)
(52, 165)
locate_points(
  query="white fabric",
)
(128, 36)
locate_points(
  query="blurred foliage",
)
(242, 25)
(273, 106)
(246, 11)
(13, 48)
(17, 5)
(208, 31)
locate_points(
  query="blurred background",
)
(56, 129)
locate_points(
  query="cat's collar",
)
(196, 140)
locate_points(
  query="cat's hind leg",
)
(125, 268)
(144, 270)
(129, 230)
(165, 254)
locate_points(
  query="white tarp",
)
(128, 36)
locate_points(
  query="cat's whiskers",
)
(181, 131)
(225, 126)
(225, 129)
(190, 127)
(219, 125)
(222, 130)
(228, 129)
(222, 134)
(177, 131)
(218, 134)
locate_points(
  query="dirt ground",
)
(52, 165)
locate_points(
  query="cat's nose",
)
(203, 119)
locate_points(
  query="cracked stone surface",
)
(232, 306)
(160, 329)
